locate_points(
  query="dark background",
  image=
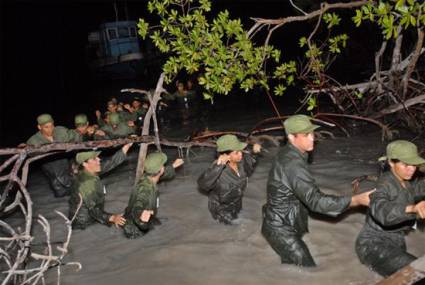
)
(43, 57)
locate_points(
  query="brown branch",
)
(378, 57)
(396, 57)
(8, 162)
(412, 64)
(400, 106)
(146, 124)
(326, 7)
(385, 129)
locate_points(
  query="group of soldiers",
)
(394, 206)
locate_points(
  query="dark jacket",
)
(92, 191)
(292, 192)
(145, 196)
(387, 210)
(381, 244)
(224, 187)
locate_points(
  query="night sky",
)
(43, 56)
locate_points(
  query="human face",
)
(180, 87)
(112, 108)
(47, 129)
(82, 129)
(304, 142)
(235, 156)
(136, 104)
(92, 165)
(402, 171)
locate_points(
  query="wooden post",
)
(146, 125)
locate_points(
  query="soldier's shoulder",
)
(86, 183)
(387, 184)
(144, 183)
(34, 139)
(61, 129)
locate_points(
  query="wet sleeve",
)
(90, 202)
(143, 202)
(419, 188)
(249, 161)
(305, 189)
(169, 173)
(110, 163)
(386, 210)
(208, 179)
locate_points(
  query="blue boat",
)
(114, 50)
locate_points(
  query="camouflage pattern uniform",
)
(92, 192)
(58, 171)
(121, 131)
(144, 197)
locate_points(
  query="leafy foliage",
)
(219, 50)
(391, 15)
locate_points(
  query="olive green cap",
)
(229, 142)
(112, 101)
(154, 162)
(81, 120)
(404, 151)
(299, 124)
(114, 118)
(44, 119)
(86, 155)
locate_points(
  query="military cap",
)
(114, 118)
(81, 120)
(299, 124)
(44, 119)
(154, 162)
(112, 101)
(137, 98)
(404, 151)
(86, 155)
(229, 142)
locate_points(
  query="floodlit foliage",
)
(219, 49)
(392, 14)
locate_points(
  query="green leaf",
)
(312, 103)
(358, 94)
(279, 90)
(142, 28)
(358, 18)
(303, 41)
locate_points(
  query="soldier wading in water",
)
(226, 179)
(292, 192)
(143, 204)
(92, 191)
(394, 208)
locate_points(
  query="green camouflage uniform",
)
(144, 197)
(123, 115)
(93, 192)
(58, 171)
(121, 131)
(76, 136)
(60, 134)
